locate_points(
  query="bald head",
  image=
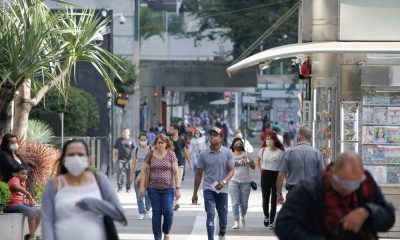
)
(348, 166)
(305, 134)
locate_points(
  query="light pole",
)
(109, 149)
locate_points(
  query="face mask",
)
(197, 135)
(269, 143)
(159, 129)
(143, 143)
(14, 147)
(76, 164)
(239, 148)
(350, 185)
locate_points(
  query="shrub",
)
(5, 195)
(38, 192)
(39, 132)
(41, 160)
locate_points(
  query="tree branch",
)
(42, 92)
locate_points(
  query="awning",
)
(315, 47)
(219, 102)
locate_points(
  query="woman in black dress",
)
(9, 158)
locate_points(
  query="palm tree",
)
(39, 50)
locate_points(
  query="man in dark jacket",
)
(343, 203)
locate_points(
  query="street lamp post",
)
(109, 149)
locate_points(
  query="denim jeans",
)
(195, 159)
(219, 201)
(239, 193)
(27, 211)
(162, 201)
(143, 203)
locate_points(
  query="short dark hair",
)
(175, 126)
(20, 168)
(143, 135)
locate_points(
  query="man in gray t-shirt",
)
(299, 162)
(217, 166)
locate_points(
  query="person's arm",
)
(298, 211)
(187, 156)
(22, 190)
(197, 181)
(175, 170)
(230, 172)
(47, 210)
(109, 205)
(145, 178)
(252, 165)
(133, 167)
(279, 183)
(115, 155)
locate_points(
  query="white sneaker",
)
(149, 214)
(242, 222)
(236, 225)
(221, 237)
(140, 217)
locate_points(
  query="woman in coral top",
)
(161, 179)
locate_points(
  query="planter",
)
(12, 226)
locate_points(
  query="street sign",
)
(249, 99)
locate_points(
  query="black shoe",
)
(27, 236)
(119, 189)
(128, 190)
(266, 222)
(176, 207)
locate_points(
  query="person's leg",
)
(155, 198)
(147, 202)
(119, 174)
(139, 200)
(167, 210)
(28, 212)
(176, 203)
(274, 176)
(209, 205)
(245, 189)
(234, 192)
(221, 203)
(266, 191)
(128, 175)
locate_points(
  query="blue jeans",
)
(28, 211)
(162, 201)
(219, 201)
(195, 159)
(239, 193)
(143, 203)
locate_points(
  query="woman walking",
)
(240, 184)
(270, 154)
(10, 160)
(76, 202)
(197, 144)
(160, 176)
(138, 156)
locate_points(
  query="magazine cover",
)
(393, 135)
(349, 133)
(368, 115)
(369, 98)
(395, 99)
(378, 172)
(378, 154)
(393, 174)
(367, 152)
(380, 115)
(394, 115)
(382, 99)
(392, 154)
(367, 134)
(380, 135)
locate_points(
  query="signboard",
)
(306, 113)
(249, 99)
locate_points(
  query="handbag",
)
(111, 230)
(253, 185)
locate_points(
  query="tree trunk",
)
(6, 96)
(23, 107)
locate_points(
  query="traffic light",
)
(122, 99)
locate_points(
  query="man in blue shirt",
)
(217, 165)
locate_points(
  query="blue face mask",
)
(350, 185)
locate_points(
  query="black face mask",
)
(240, 148)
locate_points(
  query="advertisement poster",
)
(380, 135)
(394, 115)
(395, 99)
(378, 172)
(368, 115)
(382, 99)
(368, 99)
(392, 154)
(367, 152)
(380, 115)
(367, 134)
(393, 134)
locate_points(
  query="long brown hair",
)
(275, 138)
(165, 139)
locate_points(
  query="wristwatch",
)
(224, 181)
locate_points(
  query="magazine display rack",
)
(349, 127)
(380, 140)
(323, 104)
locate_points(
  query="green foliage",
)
(39, 132)
(129, 77)
(4, 195)
(199, 101)
(245, 21)
(38, 192)
(151, 23)
(81, 111)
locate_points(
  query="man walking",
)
(299, 162)
(121, 155)
(343, 202)
(217, 165)
(181, 153)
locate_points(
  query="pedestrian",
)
(267, 129)
(292, 130)
(160, 128)
(240, 184)
(160, 176)
(268, 159)
(10, 160)
(151, 135)
(121, 157)
(18, 203)
(217, 165)
(299, 162)
(344, 202)
(181, 153)
(76, 202)
(247, 145)
(287, 141)
(277, 128)
(137, 162)
(197, 144)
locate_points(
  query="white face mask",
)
(14, 147)
(143, 143)
(76, 164)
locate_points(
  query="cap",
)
(215, 129)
